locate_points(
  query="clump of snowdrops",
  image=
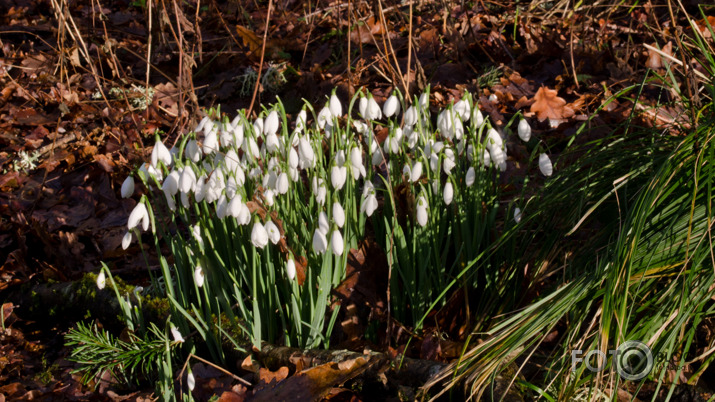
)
(260, 214)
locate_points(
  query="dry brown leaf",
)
(250, 40)
(548, 105)
(655, 60)
(268, 376)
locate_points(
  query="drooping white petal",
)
(258, 127)
(338, 214)
(270, 126)
(336, 108)
(192, 151)
(338, 175)
(190, 380)
(422, 211)
(517, 215)
(391, 106)
(324, 117)
(416, 172)
(160, 153)
(274, 234)
(210, 144)
(545, 166)
(448, 194)
(101, 280)
(290, 268)
(494, 139)
(471, 176)
(126, 240)
(373, 109)
(524, 130)
(320, 242)
(336, 242)
(127, 187)
(199, 276)
(411, 116)
(462, 109)
(323, 225)
(138, 213)
(259, 236)
(176, 334)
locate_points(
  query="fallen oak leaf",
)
(548, 105)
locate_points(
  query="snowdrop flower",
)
(237, 131)
(517, 215)
(293, 158)
(269, 197)
(208, 127)
(139, 214)
(201, 124)
(187, 181)
(357, 168)
(226, 137)
(160, 153)
(422, 211)
(435, 185)
(222, 207)
(449, 160)
(498, 157)
(462, 109)
(199, 276)
(258, 127)
(192, 151)
(320, 242)
(446, 123)
(126, 240)
(190, 380)
(477, 117)
(259, 236)
(336, 242)
(301, 120)
(360, 127)
(524, 130)
(196, 232)
(306, 153)
(411, 116)
(545, 166)
(151, 171)
(471, 176)
(323, 225)
(494, 139)
(176, 334)
(338, 214)
(244, 215)
(234, 206)
(493, 98)
(290, 268)
(369, 199)
(282, 183)
(448, 194)
(377, 156)
(270, 126)
(391, 106)
(214, 187)
(416, 171)
(127, 187)
(250, 147)
(272, 143)
(411, 136)
(101, 280)
(274, 234)
(486, 158)
(336, 108)
(319, 190)
(324, 117)
(338, 175)
(373, 109)
(424, 101)
(210, 144)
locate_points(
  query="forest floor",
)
(80, 105)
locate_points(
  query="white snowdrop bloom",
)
(422, 211)
(323, 224)
(192, 151)
(270, 179)
(225, 137)
(196, 232)
(234, 206)
(471, 176)
(373, 109)
(411, 116)
(462, 109)
(494, 140)
(231, 162)
(222, 207)
(449, 161)
(274, 234)
(324, 117)
(272, 143)
(517, 215)
(321, 194)
(338, 214)
(208, 127)
(524, 130)
(362, 108)
(301, 121)
(201, 124)
(282, 184)
(244, 215)
(270, 126)
(210, 144)
(215, 186)
(199, 276)
(259, 235)
(306, 153)
(151, 171)
(477, 117)
(407, 171)
(360, 126)
(126, 240)
(470, 153)
(190, 380)
(357, 168)
(274, 164)
(258, 127)
(336, 108)
(139, 213)
(498, 156)
(293, 158)
(545, 166)
(391, 145)
(435, 185)
(127, 187)
(290, 268)
(369, 199)
(416, 171)
(437, 146)
(160, 153)
(294, 174)
(171, 183)
(486, 158)
(187, 181)
(101, 280)
(237, 132)
(236, 120)
(338, 175)
(255, 173)
(391, 106)
(176, 334)
(336, 242)
(434, 162)
(250, 148)
(320, 242)
(493, 98)
(424, 101)
(448, 193)
(446, 123)
(269, 197)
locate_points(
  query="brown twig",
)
(263, 54)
